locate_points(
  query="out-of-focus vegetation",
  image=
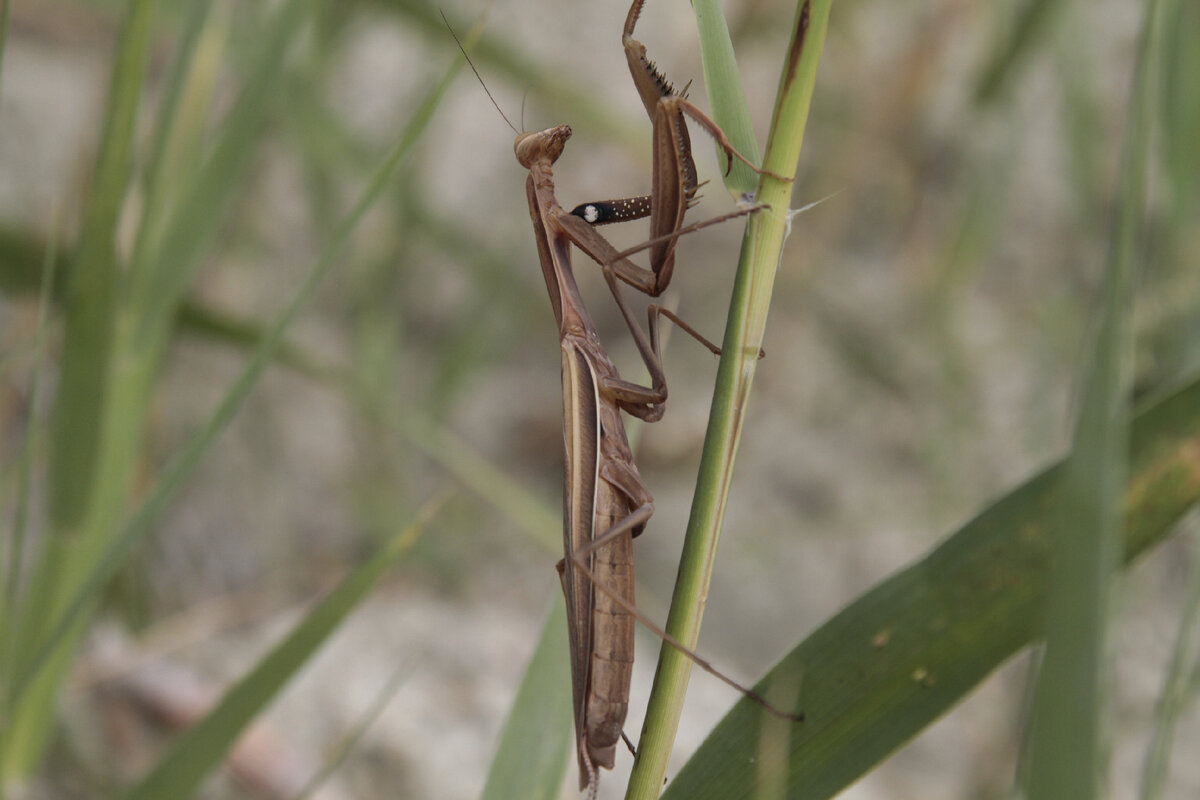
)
(270, 296)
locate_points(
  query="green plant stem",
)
(761, 251)
(1068, 756)
(901, 655)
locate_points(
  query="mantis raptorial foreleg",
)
(674, 180)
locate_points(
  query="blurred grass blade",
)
(1030, 25)
(1068, 754)
(177, 151)
(1181, 113)
(1177, 695)
(165, 265)
(896, 659)
(491, 482)
(182, 466)
(744, 331)
(532, 756)
(90, 320)
(347, 743)
(14, 550)
(202, 747)
(3, 36)
(77, 471)
(114, 336)
(723, 82)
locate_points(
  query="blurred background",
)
(924, 346)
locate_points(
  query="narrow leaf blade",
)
(895, 660)
(532, 756)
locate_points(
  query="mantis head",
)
(541, 146)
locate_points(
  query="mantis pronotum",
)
(605, 501)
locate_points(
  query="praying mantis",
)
(605, 501)
(606, 504)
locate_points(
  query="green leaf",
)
(723, 82)
(78, 465)
(92, 288)
(1067, 756)
(891, 663)
(532, 754)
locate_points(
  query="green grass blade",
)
(347, 744)
(92, 290)
(1181, 113)
(177, 150)
(202, 747)
(723, 82)
(165, 267)
(532, 755)
(110, 364)
(77, 469)
(10, 589)
(3, 35)
(1030, 25)
(761, 250)
(1176, 694)
(891, 663)
(1067, 756)
(182, 466)
(485, 478)
(106, 400)
(22, 253)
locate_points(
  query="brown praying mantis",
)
(606, 504)
(605, 501)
